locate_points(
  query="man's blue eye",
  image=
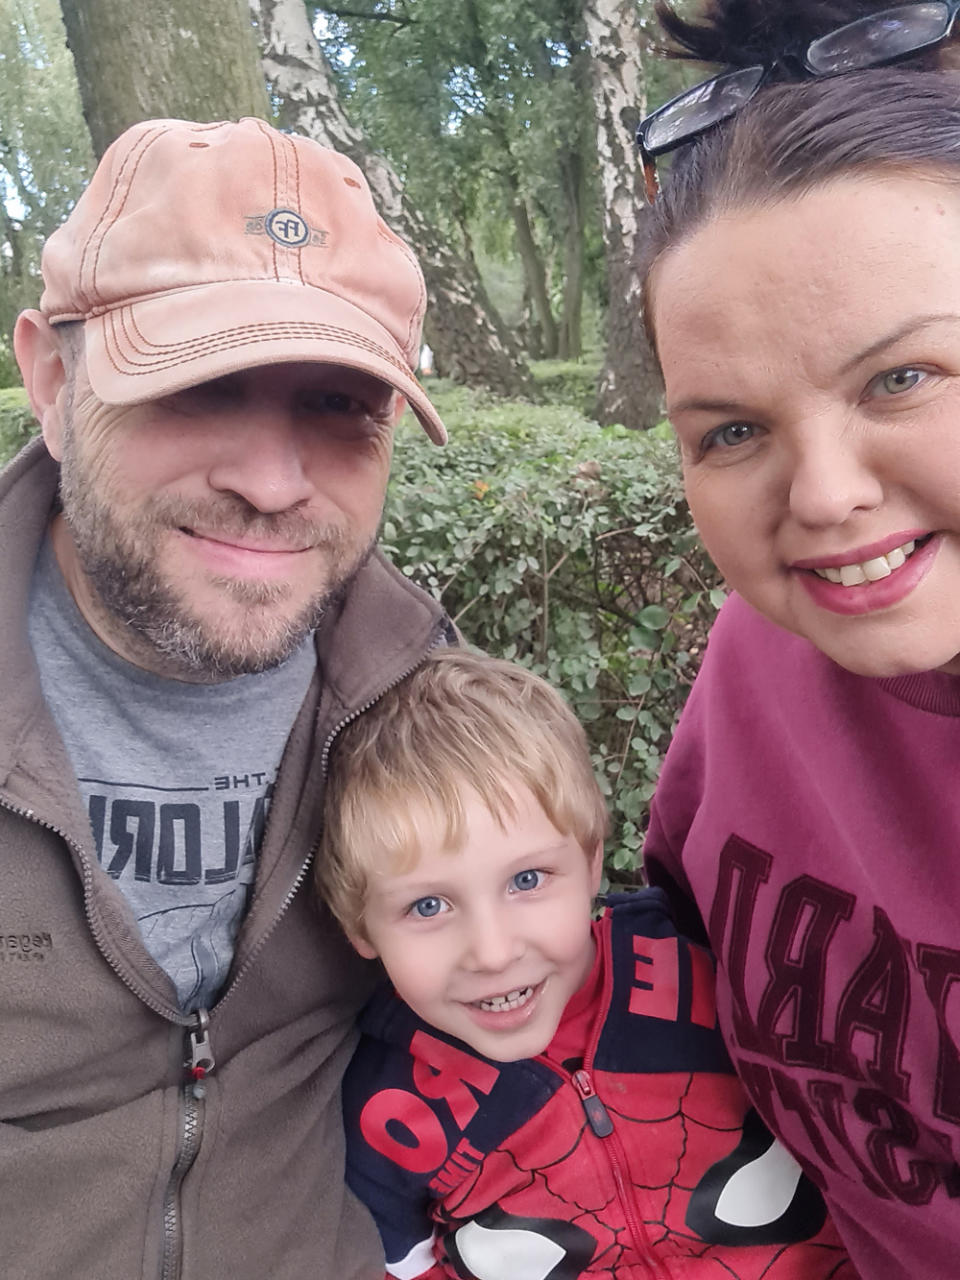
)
(340, 402)
(528, 880)
(427, 907)
(330, 402)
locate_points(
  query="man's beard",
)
(118, 556)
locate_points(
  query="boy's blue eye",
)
(528, 880)
(427, 907)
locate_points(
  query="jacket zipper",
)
(198, 1066)
(601, 1121)
(199, 1061)
(601, 1124)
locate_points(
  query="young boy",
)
(539, 1095)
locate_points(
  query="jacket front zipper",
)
(602, 1127)
(198, 1066)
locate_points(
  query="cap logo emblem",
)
(286, 227)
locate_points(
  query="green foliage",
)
(17, 423)
(569, 382)
(568, 548)
(9, 373)
(481, 105)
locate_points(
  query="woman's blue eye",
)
(528, 880)
(427, 907)
(899, 380)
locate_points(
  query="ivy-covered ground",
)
(563, 545)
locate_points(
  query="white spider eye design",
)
(761, 1191)
(519, 1254)
(496, 1245)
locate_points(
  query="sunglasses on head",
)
(869, 42)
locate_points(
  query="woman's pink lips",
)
(857, 555)
(869, 597)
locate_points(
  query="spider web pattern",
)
(669, 1130)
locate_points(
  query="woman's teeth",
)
(512, 1000)
(851, 575)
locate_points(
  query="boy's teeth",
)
(851, 575)
(512, 1000)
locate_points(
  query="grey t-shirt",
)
(176, 777)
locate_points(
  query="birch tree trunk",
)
(141, 60)
(469, 341)
(630, 390)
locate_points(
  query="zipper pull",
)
(200, 1061)
(598, 1117)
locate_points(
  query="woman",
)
(803, 295)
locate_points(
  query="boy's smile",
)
(490, 942)
(811, 352)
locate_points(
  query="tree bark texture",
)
(534, 272)
(469, 342)
(571, 342)
(573, 177)
(630, 390)
(141, 60)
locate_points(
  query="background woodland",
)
(498, 140)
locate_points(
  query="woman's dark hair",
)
(793, 137)
(739, 33)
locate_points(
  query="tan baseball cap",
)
(200, 249)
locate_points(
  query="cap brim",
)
(162, 344)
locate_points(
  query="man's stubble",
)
(118, 556)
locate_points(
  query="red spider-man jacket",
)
(641, 1160)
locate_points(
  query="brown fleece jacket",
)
(110, 1168)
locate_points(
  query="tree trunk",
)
(571, 345)
(469, 341)
(630, 389)
(535, 275)
(140, 59)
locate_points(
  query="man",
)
(224, 344)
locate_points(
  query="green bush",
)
(9, 373)
(569, 548)
(17, 423)
(567, 382)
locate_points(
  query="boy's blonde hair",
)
(461, 720)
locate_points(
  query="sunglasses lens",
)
(880, 38)
(700, 107)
